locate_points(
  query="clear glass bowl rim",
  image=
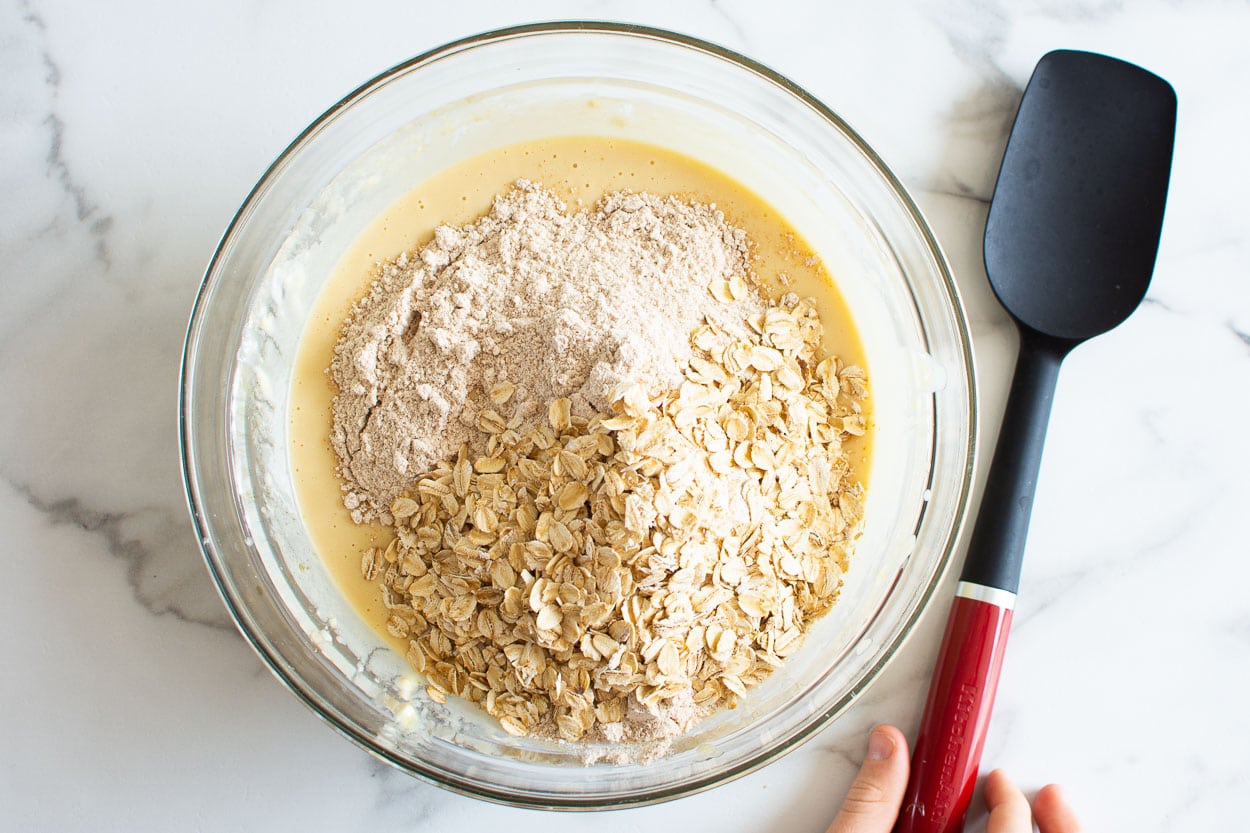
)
(195, 503)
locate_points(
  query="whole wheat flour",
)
(491, 321)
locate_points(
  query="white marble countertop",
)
(130, 132)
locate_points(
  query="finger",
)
(872, 802)
(1009, 809)
(1053, 813)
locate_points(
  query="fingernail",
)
(880, 745)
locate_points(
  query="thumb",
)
(872, 802)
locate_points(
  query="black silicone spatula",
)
(1070, 245)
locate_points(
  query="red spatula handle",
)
(961, 697)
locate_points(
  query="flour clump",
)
(529, 303)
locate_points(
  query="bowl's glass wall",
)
(474, 97)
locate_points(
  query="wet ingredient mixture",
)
(601, 468)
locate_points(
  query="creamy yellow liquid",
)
(580, 170)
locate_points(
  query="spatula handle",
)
(996, 547)
(961, 694)
(957, 712)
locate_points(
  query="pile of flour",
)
(557, 304)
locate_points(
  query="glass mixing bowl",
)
(498, 89)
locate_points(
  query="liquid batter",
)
(580, 170)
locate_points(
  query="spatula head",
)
(1073, 227)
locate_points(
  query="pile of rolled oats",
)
(666, 556)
